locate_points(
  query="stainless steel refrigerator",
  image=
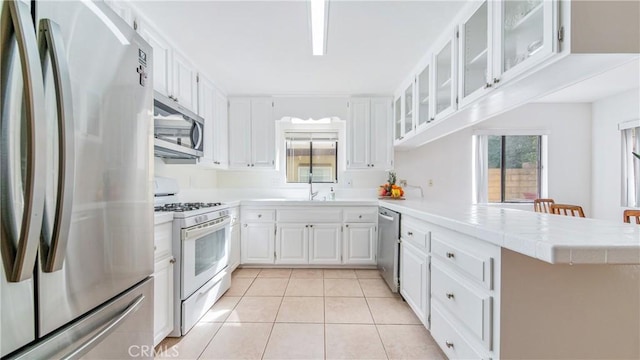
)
(76, 183)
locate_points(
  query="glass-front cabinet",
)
(408, 108)
(444, 80)
(397, 118)
(526, 34)
(423, 86)
(475, 54)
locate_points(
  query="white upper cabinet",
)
(263, 132)
(161, 60)
(185, 82)
(239, 133)
(212, 106)
(423, 89)
(369, 134)
(397, 119)
(251, 133)
(475, 37)
(409, 108)
(526, 35)
(173, 75)
(445, 79)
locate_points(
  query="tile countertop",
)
(551, 238)
(304, 202)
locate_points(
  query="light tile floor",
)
(306, 314)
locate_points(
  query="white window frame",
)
(286, 125)
(630, 166)
(479, 163)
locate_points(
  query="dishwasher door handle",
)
(388, 218)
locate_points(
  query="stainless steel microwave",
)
(178, 132)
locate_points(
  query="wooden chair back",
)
(543, 205)
(568, 210)
(628, 214)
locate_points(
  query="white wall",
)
(447, 161)
(188, 176)
(606, 169)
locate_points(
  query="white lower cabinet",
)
(258, 243)
(324, 244)
(414, 279)
(162, 299)
(360, 243)
(292, 244)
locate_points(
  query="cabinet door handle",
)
(245, 225)
(488, 85)
(409, 233)
(496, 80)
(359, 216)
(448, 343)
(450, 296)
(248, 164)
(450, 255)
(172, 260)
(259, 216)
(310, 225)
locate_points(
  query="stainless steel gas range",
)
(201, 234)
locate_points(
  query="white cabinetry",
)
(475, 48)
(360, 243)
(251, 133)
(324, 244)
(162, 282)
(292, 244)
(414, 279)
(463, 293)
(173, 75)
(213, 108)
(258, 236)
(370, 134)
(445, 78)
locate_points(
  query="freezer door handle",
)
(105, 330)
(54, 244)
(21, 234)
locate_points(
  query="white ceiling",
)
(608, 83)
(264, 47)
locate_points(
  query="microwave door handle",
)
(196, 135)
(199, 232)
(50, 41)
(20, 241)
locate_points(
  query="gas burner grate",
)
(181, 207)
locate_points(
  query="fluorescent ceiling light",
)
(318, 18)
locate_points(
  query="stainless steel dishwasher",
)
(389, 246)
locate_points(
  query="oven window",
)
(210, 250)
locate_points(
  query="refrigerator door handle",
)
(54, 242)
(104, 331)
(20, 241)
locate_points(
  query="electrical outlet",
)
(430, 182)
(403, 183)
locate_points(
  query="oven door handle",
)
(199, 232)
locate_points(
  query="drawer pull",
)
(450, 296)
(409, 233)
(259, 216)
(448, 343)
(450, 255)
(359, 216)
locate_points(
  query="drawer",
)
(450, 247)
(330, 215)
(470, 307)
(450, 340)
(415, 233)
(162, 235)
(367, 215)
(259, 215)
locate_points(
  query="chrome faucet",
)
(311, 193)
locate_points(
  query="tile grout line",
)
(273, 324)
